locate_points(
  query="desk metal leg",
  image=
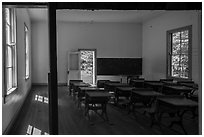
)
(129, 107)
(116, 100)
(79, 102)
(156, 119)
(105, 112)
(70, 91)
(86, 109)
(180, 121)
(194, 113)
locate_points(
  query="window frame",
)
(12, 44)
(169, 52)
(26, 36)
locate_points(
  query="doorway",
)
(88, 65)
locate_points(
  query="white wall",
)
(114, 40)
(15, 100)
(110, 40)
(40, 52)
(154, 42)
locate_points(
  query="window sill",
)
(9, 94)
(11, 90)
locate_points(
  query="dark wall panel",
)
(119, 66)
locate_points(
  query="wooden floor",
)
(72, 121)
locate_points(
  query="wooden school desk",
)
(83, 90)
(122, 92)
(178, 105)
(97, 101)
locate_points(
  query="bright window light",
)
(40, 98)
(29, 130)
(36, 97)
(36, 131)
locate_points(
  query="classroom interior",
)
(106, 60)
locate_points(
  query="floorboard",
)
(73, 122)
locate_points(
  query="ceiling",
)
(129, 16)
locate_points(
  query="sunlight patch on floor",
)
(35, 131)
(41, 99)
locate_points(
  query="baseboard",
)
(9, 127)
(62, 84)
(39, 84)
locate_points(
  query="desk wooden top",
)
(189, 85)
(125, 88)
(138, 80)
(81, 84)
(76, 82)
(90, 88)
(170, 83)
(154, 83)
(117, 84)
(180, 88)
(178, 101)
(98, 94)
(147, 93)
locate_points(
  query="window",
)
(10, 50)
(26, 52)
(179, 51)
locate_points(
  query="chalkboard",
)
(119, 66)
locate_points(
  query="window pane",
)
(176, 43)
(184, 48)
(12, 26)
(26, 51)
(8, 34)
(27, 66)
(9, 56)
(184, 66)
(184, 34)
(12, 35)
(9, 78)
(27, 43)
(175, 68)
(176, 38)
(176, 49)
(7, 15)
(175, 59)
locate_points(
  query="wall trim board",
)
(46, 84)
(13, 120)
